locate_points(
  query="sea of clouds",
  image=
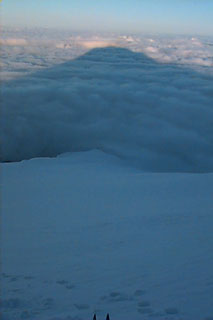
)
(147, 99)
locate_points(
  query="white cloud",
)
(13, 42)
(96, 44)
(151, 49)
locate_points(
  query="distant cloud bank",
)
(13, 42)
(135, 102)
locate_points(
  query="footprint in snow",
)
(66, 284)
(16, 290)
(171, 311)
(12, 279)
(143, 304)
(115, 297)
(70, 286)
(4, 275)
(48, 303)
(139, 293)
(81, 306)
(144, 307)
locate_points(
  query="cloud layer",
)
(25, 50)
(157, 116)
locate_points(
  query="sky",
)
(154, 16)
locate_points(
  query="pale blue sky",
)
(161, 16)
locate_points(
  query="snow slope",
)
(83, 232)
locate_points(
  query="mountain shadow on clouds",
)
(156, 116)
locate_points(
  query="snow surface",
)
(106, 217)
(83, 232)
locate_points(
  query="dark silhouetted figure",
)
(107, 317)
(94, 318)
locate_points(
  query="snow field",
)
(85, 233)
